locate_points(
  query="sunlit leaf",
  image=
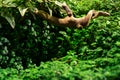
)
(9, 3)
(22, 10)
(58, 3)
(117, 43)
(0, 3)
(40, 0)
(50, 11)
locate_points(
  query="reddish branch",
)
(70, 20)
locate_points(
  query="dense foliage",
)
(34, 49)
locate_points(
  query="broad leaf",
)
(8, 3)
(22, 10)
(8, 16)
(40, 1)
(0, 3)
(59, 4)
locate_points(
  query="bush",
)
(36, 49)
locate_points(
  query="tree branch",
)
(70, 20)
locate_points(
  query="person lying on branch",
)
(70, 20)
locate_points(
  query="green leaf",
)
(117, 43)
(8, 3)
(62, 32)
(8, 16)
(60, 38)
(40, 1)
(99, 49)
(0, 3)
(59, 4)
(22, 10)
